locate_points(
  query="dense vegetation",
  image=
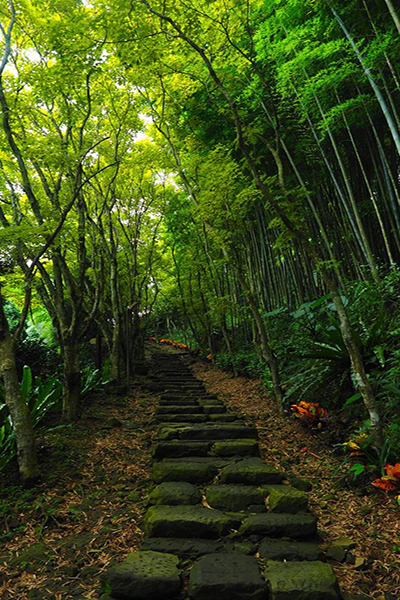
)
(224, 173)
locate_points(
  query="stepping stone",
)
(177, 409)
(226, 577)
(179, 521)
(301, 581)
(288, 550)
(275, 525)
(144, 576)
(193, 472)
(176, 449)
(175, 492)
(214, 409)
(251, 471)
(181, 418)
(233, 497)
(177, 400)
(206, 432)
(181, 547)
(287, 500)
(210, 401)
(235, 448)
(225, 418)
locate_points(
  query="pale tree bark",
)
(18, 408)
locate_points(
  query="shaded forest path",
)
(222, 524)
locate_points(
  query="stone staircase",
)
(221, 523)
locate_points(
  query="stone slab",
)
(207, 432)
(225, 418)
(251, 471)
(233, 497)
(176, 470)
(287, 500)
(175, 492)
(274, 525)
(301, 581)
(181, 418)
(273, 549)
(226, 577)
(178, 409)
(236, 448)
(144, 576)
(184, 548)
(177, 449)
(181, 521)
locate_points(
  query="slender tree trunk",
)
(18, 409)
(72, 380)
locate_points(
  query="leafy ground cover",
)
(56, 539)
(370, 519)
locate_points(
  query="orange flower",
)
(393, 472)
(384, 484)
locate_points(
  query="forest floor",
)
(58, 538)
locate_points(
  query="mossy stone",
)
(175, 492)
(289, 550)
(177, 449)
(181, 521)
(226, 577)
(233, 497)
(144, 576)
(274, 525)
(301, 581)
(235, 448)
(251, 471)
(287, 500)
(192, 472)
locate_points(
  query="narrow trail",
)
(222, 524)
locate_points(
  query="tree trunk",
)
(18, 409)
(72, 380)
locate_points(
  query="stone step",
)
(225, 418)
(181, 521)
(177, 449)
(181, 400)
(206, 432)
(182, 418)
(284, 525)
(235, 497)
(213, 409)
(179, 409)
(192, 472)
(236, 448)
(308, 580)
(175, 492)
(273, 549)
(144, 576)
(184, 548)
(250, 471)
(226, 577)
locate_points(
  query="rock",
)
(226, 577)
(235, 448)
(225, 418)
(184, 548)
(288, 550)
(335, 553)
(176, 449)
(251, 471)
(181, 418)
(287, 500)
(301, 581)
(179, 521)
(193, 472)
(214, 409)
(175, 492)
(144, 576)
(233, 497)
(272, 524)
(206, 432)
(300, 484)
(178, 409)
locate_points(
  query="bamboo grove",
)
(221, 171)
